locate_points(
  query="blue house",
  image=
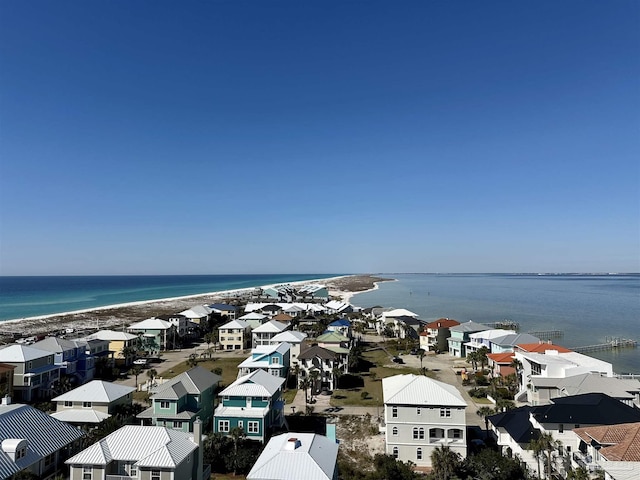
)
(253, 403)
(342, 325)
(273, 359)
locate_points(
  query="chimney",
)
(197, 438)
(292, 444)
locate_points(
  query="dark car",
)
(397, 360)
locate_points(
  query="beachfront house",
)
(179, 321)
(155, 335)
(199, 314)
(509, 342)
(229, 311)
(254, 319)
(295, 340)
(123, 346)
(71, 356)
(421, 414)
(477, 340)
(95, 351)
(142, 452)
(253, 403)
(92, 402)
(555, 364)
(612, 449)
(235, 335)
(342, 326)
(328, 364)
(434, 336)
(263, 334)
(273, 359)
(286, 456)
(35, 371)
(33, 442)
(460, 336)
(178, 402)
(313, 292)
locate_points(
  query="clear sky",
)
(143, 137)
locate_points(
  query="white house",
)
(234, 335)
(294, 338)
(421, 414)
(263, 334)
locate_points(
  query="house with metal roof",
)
(295, 340)
(273, 359)
(328, 364)
(224, 309)
(434, 335)
(32, 441)
(92, 402)
(342, 326)
(421, 414)
(155, 334)
(460, 336)
(263, 334)
(295, 456)
(177, 402)
(235, 335)
(35, 371)
(254, 319)
(198, 314)
(142, 452)
(253, 403)
(118, 343)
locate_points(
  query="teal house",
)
(254, 403)
(460, 336)
(178, 402)
(273, 359)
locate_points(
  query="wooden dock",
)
(610, 344)
(506, 324)
(547, 334)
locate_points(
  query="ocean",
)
(588, 309)
(22, 297)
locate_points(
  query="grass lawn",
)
(289, 395)
(227, 476)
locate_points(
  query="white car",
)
(140, 361)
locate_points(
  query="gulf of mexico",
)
(22, 297)
(589, 309)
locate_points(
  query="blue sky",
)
(142, 137)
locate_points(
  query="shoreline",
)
(343, 286)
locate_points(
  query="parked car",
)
(140, 361)
(397, 360)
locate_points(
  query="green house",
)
(253, 403)
(177, 403)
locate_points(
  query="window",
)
(395, 452)
(241, 424)
(254, 427)
(418, 433)
(536, 368)
(275, 361)
(418, 411)
(456, 433)
(49, 459)
(155, 474)
(87, 473)
(418, 453)
(86, 404)
(394, 431)
(68, 403)
(560, 428)
(177, 424)
(223, 426)
(394, 412)
(164, 404)
(445, 412)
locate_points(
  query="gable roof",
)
(199, 311)
(399, 312)
(193, 381)
(332, 337)
(44, 434)
(253, 316)
(292, 456)
(289, 336)
(55, 344)
(512, 339)
(154, 323)
(148, 446)
(443, 323)
(505, 357)
(620, 443)
(237, 324)
(587, 409)
(319, 352)
(96, 391)
(469, 327)
(271, 326)
(256, 384)
(420, 390)
(21, 354)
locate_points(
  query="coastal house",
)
(199, 314)
(294, 310)
(555, 364)
(543, 389)
(295, 340)
(142, 452)
(292, 456)
(333, 340)
(71, 356)
(253, 403)
(92, 402)
(335, 307)
(6, 379)
(283, 318)
(460, 336)
(485, 339)
(273, 359)
(328, 364)
(32, 441)
(35, 371)
(508, 342)
(178, 402)
(263, 334)
(120, 343)
(612, 449)
(434, 336)
(500, 364)
(179, 321)
(93, 353)
(235, 335)
(155, 335)
(254, 319)
(225, 310)
(421, 414)
(314, 292)
(342, 326)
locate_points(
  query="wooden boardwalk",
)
(612, 344)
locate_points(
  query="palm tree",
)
(482, 356)
(314, 374)
(135, 371)
(236, 434)
(485, 412)
(337, 373)
(517, 366)
(295, 371)
(472, 358)
(579, 473)
(151, 373)
(421, 356)
(127, 352)
(304, 384)
(209, 338)
(444, 462)
(543, 446)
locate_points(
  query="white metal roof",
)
(199, 311)
(420, 390)
(253, 316)
(399, 312)
(80, 415)
(289, 336)
(112, 335)
(151, 324)
(97, 391)
(148, 446)
(272, 326)
(294, 456)
(256, 384)
(235, 324)
(21, 354)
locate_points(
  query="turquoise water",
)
(589, 309)
(22, 297)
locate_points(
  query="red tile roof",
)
(542, 347)
(505, 357)
(443, 323)
(621, 443)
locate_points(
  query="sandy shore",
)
(124, 314)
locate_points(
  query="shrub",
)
(478, 392)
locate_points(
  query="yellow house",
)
(118, 341)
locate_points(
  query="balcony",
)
(586, 461)
(120, 477)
